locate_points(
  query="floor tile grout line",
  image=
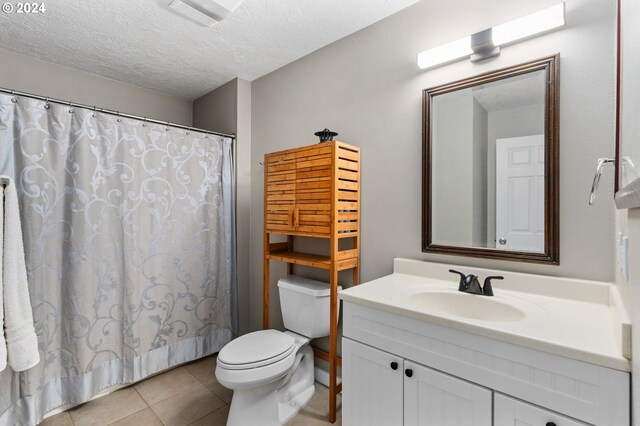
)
(149, 406)
(125, 417)
(140, 395)
(134, 413)
(211, 412)
(198, 382)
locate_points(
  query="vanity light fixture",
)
(205, 12)
(486, 44)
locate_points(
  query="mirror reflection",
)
(490, 165)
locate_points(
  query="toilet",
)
(271, 372)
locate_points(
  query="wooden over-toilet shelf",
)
(314, 191)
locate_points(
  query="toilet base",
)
(277, 402)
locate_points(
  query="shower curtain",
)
(130, 247)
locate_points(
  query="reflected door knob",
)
(502, 241)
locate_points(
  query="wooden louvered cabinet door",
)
(306, 187)
(280, 192)
(312, 214)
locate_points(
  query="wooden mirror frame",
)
(626, 197)
(551, 253)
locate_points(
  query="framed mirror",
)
(490, 165)
(627, 177)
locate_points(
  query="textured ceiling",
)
(514, 92)
(144, 43)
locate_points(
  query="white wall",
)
(368, 88)
(26, 74)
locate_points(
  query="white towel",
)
(19, 345)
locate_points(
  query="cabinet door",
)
(437, 399)
(314, 196)
(280, 192)
(512, 412)
(371, 386)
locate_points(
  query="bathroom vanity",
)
(542, 351)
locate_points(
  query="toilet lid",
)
(256, 349)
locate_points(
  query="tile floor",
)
(186, 395)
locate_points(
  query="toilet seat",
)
(256, 350)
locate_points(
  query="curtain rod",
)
(111, 112)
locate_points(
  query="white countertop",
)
(578, 319)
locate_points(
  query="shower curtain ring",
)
(47, 105)
(167, 128)
(188, 130)
(13, 96)
(144, 122)
(95, 114)
(71, 110)
(118, 114)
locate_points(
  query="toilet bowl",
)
(271, 372)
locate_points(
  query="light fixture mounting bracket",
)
(482, 46)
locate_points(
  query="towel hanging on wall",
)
(18, 343)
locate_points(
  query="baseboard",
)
(322, 376)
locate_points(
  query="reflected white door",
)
(520, 193)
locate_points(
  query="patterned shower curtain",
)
(130, 246)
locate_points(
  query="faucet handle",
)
(463, 277)
(472, 285)
(487, 289)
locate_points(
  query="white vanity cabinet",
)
(385, 389)
(510, 411)
(375, 388)
(461, 378)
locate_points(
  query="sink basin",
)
(484, 308)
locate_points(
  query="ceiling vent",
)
(205, 12)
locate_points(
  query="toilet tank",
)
(305, 305)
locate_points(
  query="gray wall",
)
(22, 73)
(228, 109)
(368, 88)
(479, 165)
(453, 154)
(218, 109)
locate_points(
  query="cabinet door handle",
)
(408, 372)
(291, 220)
(296, 217)
(394, 365)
